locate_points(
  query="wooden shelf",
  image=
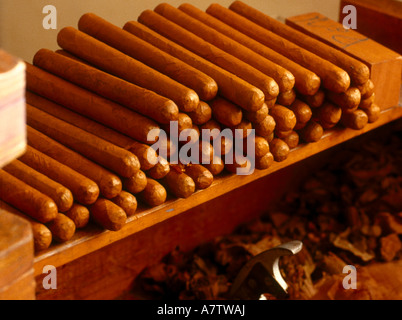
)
(93, 238)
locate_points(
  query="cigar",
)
(201, 114)
(216, 166)
(332, 77)
(226, 144)
(141, 100)
(301, 110)
(107, 183)
(112, 157)
(264, 162)
(206, 151)
(292, 140)
(358, 71)
(42, 237)
(160, 170)
(243, 129)
(62, 228)
(145, 154)
(366, 103)
(265, 127)
(201, 176)
(89, 104)
(127, 202)
(79, 214)
(348, 101)
(282, 134)
(285, 118)
(355, 120)
(84, 190)
(136, 183)
(123, 66)
(328, 114)
(108, 214)
(312, 132)
(373, 112)
(284, 79)
(79, 121)
(211, 127)
(257, 116)
(279, 149)
(261, 146)
(286, 98)
(54, 190)
(139, 49)
(314, 101)
(166, 147)
(225, 112)
(179, 184)
(154, 193)
(305, 80)
(366, 89)
(239, 164)
(230, 86)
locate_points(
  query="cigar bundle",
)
(119, 118)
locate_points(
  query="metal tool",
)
(261, 274)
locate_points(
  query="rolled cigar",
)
(365, 103)
(312, 132)
(167, 147)
(225, 112)
(282, 134)
(137, 48)
(355, 120)
(54, 190)
(292, 140)
(216, 166)
(71, 56)
(194, 43)
(348, 100)
(332, 77)
(127, 202)
(123, 66)
(79, 121)
(201, 176)
(27, 199)
(315, 100)
(261, 146)
(299, 126)
(257, 116)
(366, 89)
(145, 154)
(373, 112)
(279, 149)
(230, 86)
(84, 190)
(136, 183)
(212, 128)
(305, 80)
(79, 214)
(179, 184)
(108, 214)
(183, 122)
(264, 162)
(112, 157)
(243, 129)
(226, 144)
(357, 70)
(285, 118)
(286, 98)
(328, 114)
(154, 193)
(97, 178)
(89, 104)
(42, 237)
(206, 152)
(280, 75)
(141, 100)
(270, 103)
(62, 228)
(201, 114)
(301, 110)
(239, 165)
(270, 137)
(265, 127)
(160, 170)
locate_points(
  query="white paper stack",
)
(12, 108)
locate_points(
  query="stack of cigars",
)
(93, 105)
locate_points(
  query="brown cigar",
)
(292, 140)
(332, 77)
(239, 164)
(285, 118)
(265, 127)
(57, 192)
(314, 101)
(366, 89)
(257, 116)
(201, 176)
(312, 132)
(225, 112)
(264, 162)
(286, 98)
(357, 70)
(27, 199)
(355, 120)
(136, 183)
(216, 166)
(179, 184)
(145, 154)
(348, 100)
(79, 214)
(305, 80)
(328, 114)
(280, 75)
(243, 129)
(282, 134)
(160, 170)
(141, 100)
(301, 110)
(108, 214)
(109, 184)
(84, 190)
(154, 193)
(230, 86)
(201, 114)
(62, 228)
(89, 104)
(127, 68)
(137, 48)
(127, 202)
(373, 112)
(212, 127)
(366, 103)
(260, 144)
(279, 149)
(112, 157)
